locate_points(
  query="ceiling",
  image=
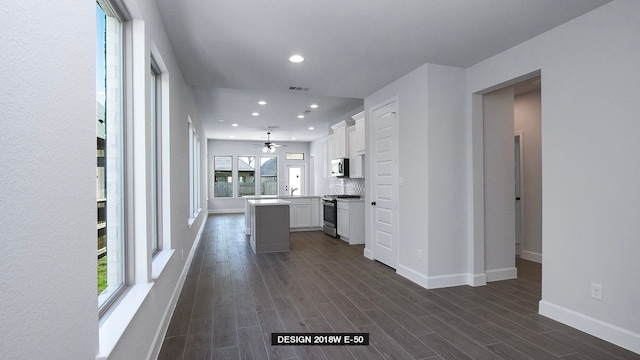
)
(235, 53)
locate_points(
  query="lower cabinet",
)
(304, 213)
(351, 221)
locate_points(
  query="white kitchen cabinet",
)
(304, 212)
(356, 159)
(358, 141)
(340, 147)
(351, 220)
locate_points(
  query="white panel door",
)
(385, 155)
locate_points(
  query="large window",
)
(268, 175)
(246, 175)
(110, 154)
(223, 176)
(155, 110)
(194, 173)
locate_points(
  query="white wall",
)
(248, 148)
(527, 120)
(499, 185)
(48, 303)
(320, 178)
(590, 172)
(431, 204)
(48, 306)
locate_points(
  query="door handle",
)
(517, 198)
(373, 203)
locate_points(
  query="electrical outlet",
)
(596, 291)
(419, 255)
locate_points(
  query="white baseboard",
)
(606, 331)
(368, 253)
(531, 256)
(432, 282)
(501, 274)
(476, 279)
(154, 351)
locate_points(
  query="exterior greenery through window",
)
(110, 155)
(246, 175)
(268, 175)
(223, 176)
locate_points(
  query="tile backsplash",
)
(346, 186)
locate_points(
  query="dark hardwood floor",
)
(232, 301)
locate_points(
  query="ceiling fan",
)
(269, 146)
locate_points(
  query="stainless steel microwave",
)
(340, 167)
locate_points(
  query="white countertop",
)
(350, 199)
(268, 202)
(249, 197)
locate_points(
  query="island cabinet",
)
(351, 220)
(304, 212)
(269, 225)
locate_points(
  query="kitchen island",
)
(304, 212)
(269, 220)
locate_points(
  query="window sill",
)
(118, 320)
(159, 262)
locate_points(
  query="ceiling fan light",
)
(272, 149)
(265, 149)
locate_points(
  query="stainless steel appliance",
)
(330, 213)
(340, 167)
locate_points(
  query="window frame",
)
(114, 16)
(155, 128)
(255, 174)
(194, 173)
(215, 170)
(277, 175)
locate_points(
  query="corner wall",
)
(431, 204)
(590, 172)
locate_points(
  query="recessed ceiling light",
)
(230, 136)
(234, 125)
(262, 102)
(293, 138)
(221, 120)
(255, 114)
(311, 128)
(300, 116)
(296, 59)
(314, 106)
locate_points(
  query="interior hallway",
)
(232, 300)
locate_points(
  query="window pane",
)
(155, 151)
(223, 176)
(246, 175)
(268, 175)
(110, 151)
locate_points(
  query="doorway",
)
(295, 184)
(511, 177)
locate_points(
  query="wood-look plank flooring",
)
(232, 300)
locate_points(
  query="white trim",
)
(501, 274)
(476, 279)
(433, 282)
(154, 350)
(368, 253)
(117, 322)
(160, 261)
(606, 331)
(531, 256)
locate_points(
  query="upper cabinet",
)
(340, 147)
(358, 144)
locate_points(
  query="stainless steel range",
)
(330, 212)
